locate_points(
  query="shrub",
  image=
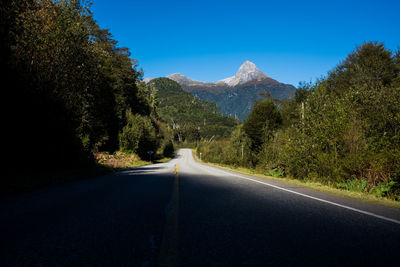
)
(386, 189)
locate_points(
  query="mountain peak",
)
(182, 79)
(248, 65)
(179, 78)
(248, 71)
(176, 75)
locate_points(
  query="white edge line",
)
(307, 196)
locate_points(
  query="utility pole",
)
(242, 151)
(302, 117)
(180, 136)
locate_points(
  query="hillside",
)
(189, 117)
(237, 101)
(235, 96)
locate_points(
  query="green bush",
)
(139, 135)
(386, 189)
(354, 185)
(276, 172)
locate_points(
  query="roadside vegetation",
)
(122, 160)
(343, 131)
(307, 183)
(72, 93)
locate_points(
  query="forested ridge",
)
(343, 131)
(237, 101)
(189, 118)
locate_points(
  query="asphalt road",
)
(201, 216)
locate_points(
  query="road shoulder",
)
(370, 203)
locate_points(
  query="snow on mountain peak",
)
(182, 79)
(247, 72)
(248, 66)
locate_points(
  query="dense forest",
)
(71, 90)
(189, 118)
(343, 131)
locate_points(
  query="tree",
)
(369, 67)
(262, 122)
(139, 135)
(70, 80)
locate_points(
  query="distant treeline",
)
(344, 130)
(69, 90)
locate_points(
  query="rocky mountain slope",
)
(236, 95)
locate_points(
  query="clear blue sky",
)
(207, 40)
